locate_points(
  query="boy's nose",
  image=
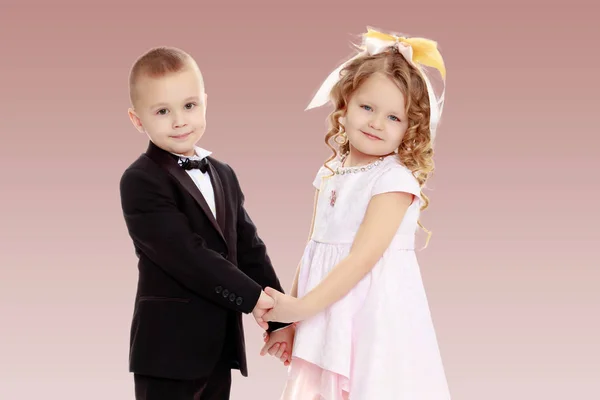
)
(178, 121)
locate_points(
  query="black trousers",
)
(217, 386)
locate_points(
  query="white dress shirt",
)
(202, 179)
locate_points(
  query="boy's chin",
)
(181, 147)
(184, 150)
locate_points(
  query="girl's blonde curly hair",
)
(415, 150)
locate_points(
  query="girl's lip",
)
(371, 136)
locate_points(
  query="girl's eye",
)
(366, 108)
(394, 118)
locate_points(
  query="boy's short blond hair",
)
(158, 62)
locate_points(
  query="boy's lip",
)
(182, 136)
(371, 136)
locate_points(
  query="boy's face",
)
(171, 110)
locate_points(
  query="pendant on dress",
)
(332, 198)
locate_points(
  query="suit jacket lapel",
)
(219, 195)
(169, 162)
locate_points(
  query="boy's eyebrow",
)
(165, 104)
(158, 105)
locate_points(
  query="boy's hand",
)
(280, 344)
(286, 308)
(264, 304)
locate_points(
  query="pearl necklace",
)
(361, 168)
(350, 170)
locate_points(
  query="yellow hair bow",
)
(424, 51)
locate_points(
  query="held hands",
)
(264, 304)
(276, 306)
(286, 308)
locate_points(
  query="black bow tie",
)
(188, 164)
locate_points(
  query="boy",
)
(201, 263)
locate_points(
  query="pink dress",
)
(378, 342)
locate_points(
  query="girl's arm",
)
(382, 219)
(294, 290)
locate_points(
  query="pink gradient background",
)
(512, 269)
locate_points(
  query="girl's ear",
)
(342, 119)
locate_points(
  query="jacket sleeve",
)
(161, 232)
(252, 252)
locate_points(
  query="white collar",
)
(200, 154)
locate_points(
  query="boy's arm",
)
(163, 234)
(252, 253)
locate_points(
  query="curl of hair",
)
(415, 151)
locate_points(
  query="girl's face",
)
(375, 121)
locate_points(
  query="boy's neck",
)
(191, 153)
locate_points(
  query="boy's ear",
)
(135, 120)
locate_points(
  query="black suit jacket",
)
(197, 275)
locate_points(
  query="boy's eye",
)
(162, 111)
(189, 106)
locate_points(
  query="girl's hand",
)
(286, 308)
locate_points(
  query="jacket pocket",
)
(162, 298)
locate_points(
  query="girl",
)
(366, 332)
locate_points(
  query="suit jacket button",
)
(218, 289)
(238, 301)
(232, 297)
(225, 293)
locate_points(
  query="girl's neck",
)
(355, 158)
